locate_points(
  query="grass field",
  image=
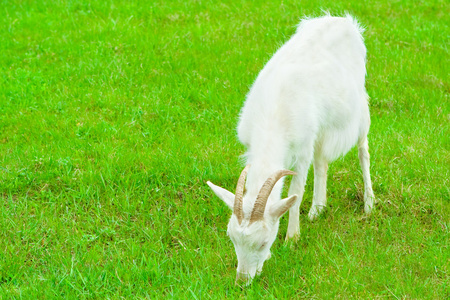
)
(113, 114)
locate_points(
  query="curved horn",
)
(238, 198)
(264, 192)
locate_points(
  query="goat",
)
(307, 105)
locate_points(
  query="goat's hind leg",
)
(364, 160)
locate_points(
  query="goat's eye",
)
(263, 245)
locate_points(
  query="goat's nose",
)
(243, 278)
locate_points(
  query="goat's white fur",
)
(307, 105)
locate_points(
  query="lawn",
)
(114, 114)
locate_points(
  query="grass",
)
(113, 114)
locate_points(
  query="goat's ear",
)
(226, 196)
(279, 208)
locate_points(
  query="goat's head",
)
(253, 232)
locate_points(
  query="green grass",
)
(114, 114)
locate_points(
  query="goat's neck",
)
(265, 161)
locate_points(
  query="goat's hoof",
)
(369, 203)
(368, 208)
(292, 237)
(312, 216)
(315, 212)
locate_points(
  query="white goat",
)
(308, 104)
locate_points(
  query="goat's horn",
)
(238, 197)
(263, 195)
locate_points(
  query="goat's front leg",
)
(320, 187)
(364, 161)
(297, 187)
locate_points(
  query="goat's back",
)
(311, 90)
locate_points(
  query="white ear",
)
(279, 208)
(226, 196)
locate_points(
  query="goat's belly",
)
(334, 143)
